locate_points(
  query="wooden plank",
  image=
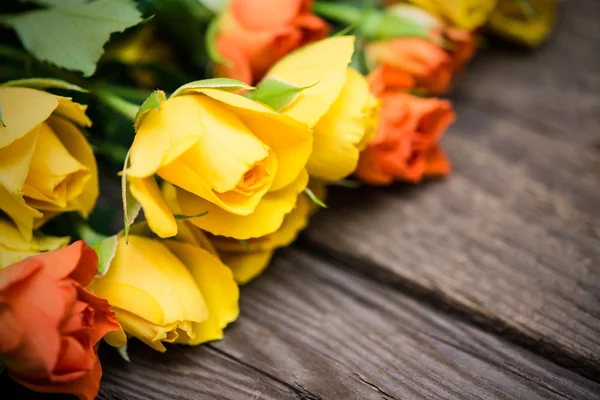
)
(180, 373)
(513, 236)
(555, 88)
(310, 330)
(512, 240)
(332, 334)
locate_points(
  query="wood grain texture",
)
(512, 239)
(554, 88)
(182, 373)
(311, 330)
(335, 335)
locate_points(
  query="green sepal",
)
(43, 84)
(2, 117)
(277, 93)
(226, 84)
(153, 102)
(246, 245)
(123, 352)
(106, 250)
(181, 217)
(131, 207)
(314, 198)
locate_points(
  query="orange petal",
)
(237, 66)
(265, 14)
(84, 387)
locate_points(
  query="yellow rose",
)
(167, 291)
(46, 165)
(339, 107)
(13, 248)
(510, 21)
(248, 260)
(225, 154)
(466, 14)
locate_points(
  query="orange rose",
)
(432, 62)
(51, 324)
(387, 78)
(254, 34)
(405, 146)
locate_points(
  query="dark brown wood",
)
(183, 373)
(311, 330)
(554, 88)
(512, 239)
(511, 242)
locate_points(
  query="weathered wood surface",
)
(311, 330)
(512, 239)
(472, 288)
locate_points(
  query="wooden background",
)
(483, 286)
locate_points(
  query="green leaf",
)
(276, 93)
(151, 103)
(131, 207)
(227, 84)
(314, 198)
(184, 217)
(2, 117)
(56, 3)
(106, 250)
(85, 232)
(44, 83)
(73, 36)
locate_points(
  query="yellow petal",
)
(222, 162)
(79, 148)
(22, 110)
(159, 217)
(508, 21)
(248, 260)
(150, 333)
(147, 280)
(15, 159)
(293, 223)
(219, 290)
(322, 64)
(53, 171)
(14, 167)
(72, 111)
(247, 266)
(186, 231)
(290, 140)
(466, 14)
(116, 338)
(14, 248)
(266, 219)
(344, 130)
(164, 134)
(23, 215)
